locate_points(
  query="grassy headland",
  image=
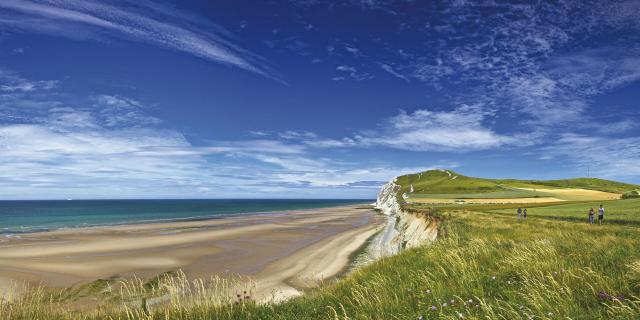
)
(487, 265)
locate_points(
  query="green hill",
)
(485, 264)
(447, 182)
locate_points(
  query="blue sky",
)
(310, 99)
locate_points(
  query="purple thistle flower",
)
(434, 308)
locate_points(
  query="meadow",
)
(485, 264)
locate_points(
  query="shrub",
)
(631, 195)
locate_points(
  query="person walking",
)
(591, 213)
(519, 213)
(600, 215)
(524, 213)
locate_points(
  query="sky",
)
(311, 99)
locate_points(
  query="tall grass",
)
(489, 266)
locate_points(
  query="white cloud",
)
(61, 151)
(603, 157)
(290, 134)
(353, 73)
(13, 83)
(141, 21)
(459, 130)
(390, 70)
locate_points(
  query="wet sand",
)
(283, 252)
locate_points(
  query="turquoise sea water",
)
(32, 216)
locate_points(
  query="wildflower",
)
(444, 305)
(460, 315)
(521, 307)
(470, 300)
(509, 281)
(428, 291)
(434, 308)
(452, 301)
(550, 314)
(555, 273)
(493, 277)
(421, 318)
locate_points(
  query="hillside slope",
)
(444, 182)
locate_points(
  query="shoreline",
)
(284, 252)
(8, 233)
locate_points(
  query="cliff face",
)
(403, 229)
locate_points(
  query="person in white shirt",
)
(600, 214)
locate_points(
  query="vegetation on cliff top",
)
(450, 182)
(486, 265)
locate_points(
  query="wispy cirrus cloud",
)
(11, 82)
(141, 21)
(602, 156)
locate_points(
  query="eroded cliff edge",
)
(403, 229)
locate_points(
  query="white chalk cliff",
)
(403, 229)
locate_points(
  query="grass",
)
(437, 182)
(626, 212)
(489, 266)
(485, 265)
(506, 193)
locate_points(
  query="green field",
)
(617, 212)
(443, 182)
(506, 193)
(486, 264)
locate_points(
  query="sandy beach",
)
(284, 252)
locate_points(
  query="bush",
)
(631, 195)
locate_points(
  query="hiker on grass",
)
(519, 212)
(600, 214)
(524, 213)
(591, 213)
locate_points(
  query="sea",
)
(25, 216)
